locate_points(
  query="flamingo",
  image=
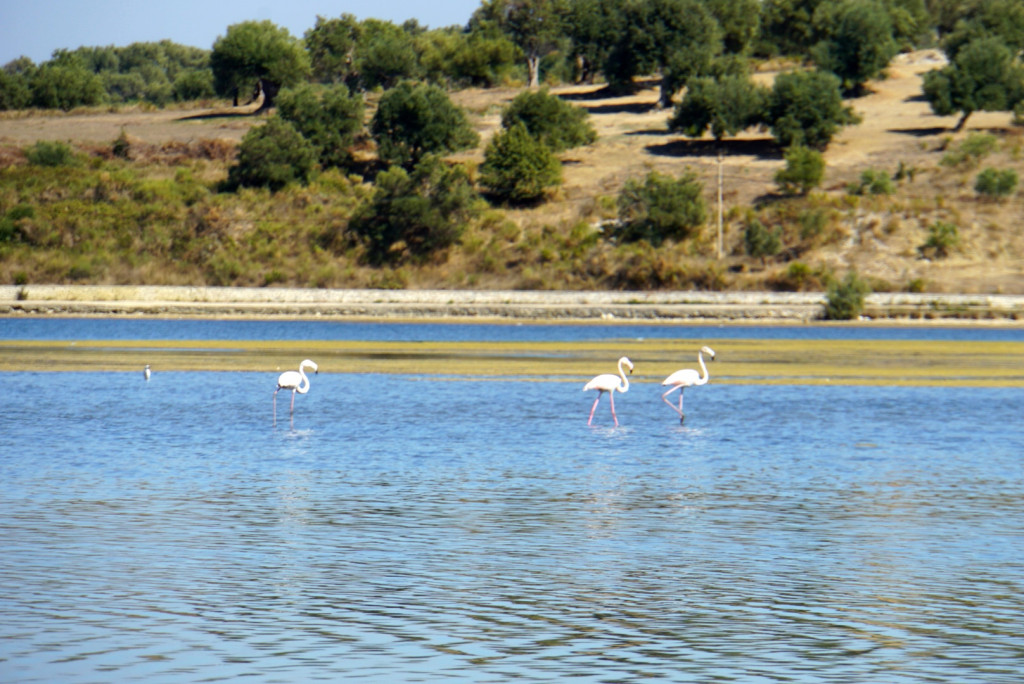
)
(295, 381)
(146, 372)
(687, 377)
(609, 383)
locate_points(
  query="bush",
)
(845, 300)
(660, 208)
(330, 121)
(415, 214)
(806, 108)
(50, 153)
(804, 170)
(519, 168)
(414, 120)
(760, 241)
(942, 237)
(995, 183)
(271, 156)
(971, 150)
(873, 182)
(549, 119)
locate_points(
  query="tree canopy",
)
(417, 119)
(553, 121)
(257, 55)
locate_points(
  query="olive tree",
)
(553, 121)
(329, 120)
(417, 119)
(260, 57)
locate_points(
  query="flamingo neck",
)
(625, 381)
(304, 385)
(704, 369)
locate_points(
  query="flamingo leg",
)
(594, 408)
(275, 407)
(293, 401)
(664, 397)
(611, 397)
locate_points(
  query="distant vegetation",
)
(360, 117)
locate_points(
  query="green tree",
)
(518, 167)
(67, 85)
(984, 76)
(787, 26)
(1002, 19)
(592, 27)
(727, 106)
(331, 45)
(660, 208)
(553, 121)
(740, 21)
(257, 56)
(193, 84)
(414, 214)
(330, 120)
(14, 91)
(845, 299)
(534, 26)
(804, 170)
(806, 108)
(385, 54)
(857, 41)
(417, 119)
(679, 38)
(272, 156)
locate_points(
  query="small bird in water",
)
(146, 372)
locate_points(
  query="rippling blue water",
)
(423, 528)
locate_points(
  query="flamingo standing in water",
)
(687, 377)
(609, 383)
(295, 381)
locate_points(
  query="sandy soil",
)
(898, 128)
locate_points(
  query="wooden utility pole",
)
(720, 208)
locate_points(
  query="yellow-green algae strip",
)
(861, 362)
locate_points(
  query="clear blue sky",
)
(35, 28)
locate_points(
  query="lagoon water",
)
(429, 528)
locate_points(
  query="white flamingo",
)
(609, 383)
(687, 377)
(295, 381)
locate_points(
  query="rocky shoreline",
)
(462, 305)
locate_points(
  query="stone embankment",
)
(177, 301)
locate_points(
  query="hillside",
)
(877, 236)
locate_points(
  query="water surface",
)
(428, 528)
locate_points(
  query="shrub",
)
(271, 156)
(330, 121)
(873, 182)
(415, 214)
(995, 183)
(49, 153)
(971, 150)
(414, 120)
(845, 300)
(519, 168)
(942, 237)
(660, 208)
(806, 108)
(804, 170)
(760, 241)
(549, 119)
